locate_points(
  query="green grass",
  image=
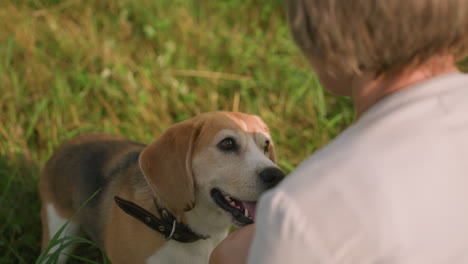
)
(49, 256)
(134, 68)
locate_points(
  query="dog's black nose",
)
(271, 177)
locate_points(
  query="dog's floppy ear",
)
(167, 166)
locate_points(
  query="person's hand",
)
(235, 248)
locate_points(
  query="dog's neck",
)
(200, 218)
(203, 219)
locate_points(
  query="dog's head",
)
(223, 160)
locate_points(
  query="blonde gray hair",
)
(357, 36)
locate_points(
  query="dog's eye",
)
(266, 148)
(227, 144)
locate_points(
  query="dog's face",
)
(233, 163)
(223, 161)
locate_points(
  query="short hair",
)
(357, 36)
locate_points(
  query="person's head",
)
(351, 38)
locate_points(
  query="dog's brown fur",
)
(114, 166)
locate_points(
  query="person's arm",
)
(235, 248)
(279, 236)
(282, 233)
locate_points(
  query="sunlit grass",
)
(134, 68)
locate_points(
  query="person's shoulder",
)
(330, 195)
(396, 125)
(348, 154)
(362, 161)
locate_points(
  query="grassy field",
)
(134, 68)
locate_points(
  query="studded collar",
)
(167, 224)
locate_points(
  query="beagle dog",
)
(172, 201)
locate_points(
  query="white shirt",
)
(392, 188)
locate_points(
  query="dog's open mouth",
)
(242, 212)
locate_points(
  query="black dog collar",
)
(166, 225)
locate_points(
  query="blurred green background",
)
(135, 67)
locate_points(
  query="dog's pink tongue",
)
(250, 206)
